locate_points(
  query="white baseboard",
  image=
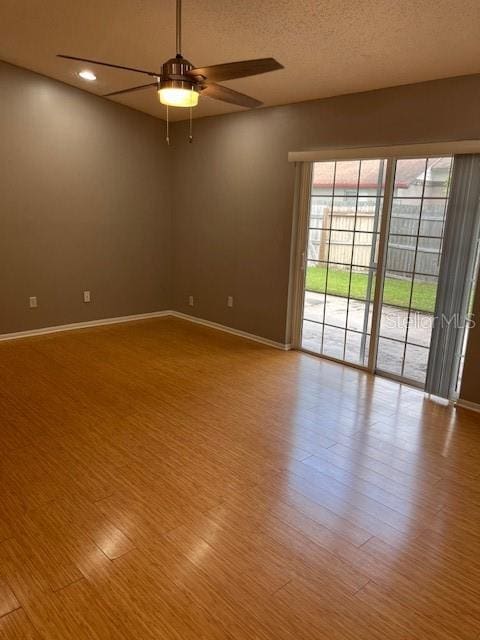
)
(235, 332)
(82, 325)
(142, 316)
(466, 404)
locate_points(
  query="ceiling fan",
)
(179, 83)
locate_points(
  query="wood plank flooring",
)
(164, 480)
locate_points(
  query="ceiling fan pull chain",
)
(167, 138)
(190, 135)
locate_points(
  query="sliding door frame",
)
(380, 270)
(301, 215)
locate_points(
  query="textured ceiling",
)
(328, 48)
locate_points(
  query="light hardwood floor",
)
(163, 480)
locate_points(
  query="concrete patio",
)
(341, 314)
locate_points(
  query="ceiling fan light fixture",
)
(176, 93)
(179, 83)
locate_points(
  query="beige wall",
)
(84, 204)
(232, 222)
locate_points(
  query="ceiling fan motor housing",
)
(174, 75)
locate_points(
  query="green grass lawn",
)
(396, 291)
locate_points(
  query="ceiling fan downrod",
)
(179, 29)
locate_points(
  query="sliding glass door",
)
(373, 239)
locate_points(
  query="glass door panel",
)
(414, 250)
(344, 224)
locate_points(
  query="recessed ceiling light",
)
(87, 75)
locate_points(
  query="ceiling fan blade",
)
(108, 64)
(139, 88)
(219, 92)
(233, 70)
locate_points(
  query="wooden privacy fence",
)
(344, 238)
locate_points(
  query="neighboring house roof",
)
(346, 177)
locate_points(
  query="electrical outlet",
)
(190, 301)
(33, 302)
(86, 296)
(230, 301)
